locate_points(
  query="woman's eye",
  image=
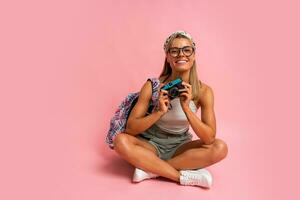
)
(188, 50)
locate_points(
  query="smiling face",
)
(182, 62)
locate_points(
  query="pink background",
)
(66, 65)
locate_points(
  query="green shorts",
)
(165, 143)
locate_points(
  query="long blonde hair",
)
(193, 79)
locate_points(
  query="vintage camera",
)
(174, 88)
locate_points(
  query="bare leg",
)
(139, 154)
(192, 159)
(195, 155)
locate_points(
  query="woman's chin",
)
(181, 68)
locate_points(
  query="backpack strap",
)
(154, 99)
(155, 84)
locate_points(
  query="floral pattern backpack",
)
(119, 120)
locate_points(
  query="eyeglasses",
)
(186, 50)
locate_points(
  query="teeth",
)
(181, 61)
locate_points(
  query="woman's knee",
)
(121, 143)
(220, 149)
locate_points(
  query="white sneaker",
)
(199, 177)
(140, 175)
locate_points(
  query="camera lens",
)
(173, 92)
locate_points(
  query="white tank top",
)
(175, 120)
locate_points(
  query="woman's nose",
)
(180, 53)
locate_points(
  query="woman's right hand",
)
(163, 99)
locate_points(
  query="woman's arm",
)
(137, 121)
(205, 128)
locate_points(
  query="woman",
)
(160, 144)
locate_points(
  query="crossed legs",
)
(191, 155)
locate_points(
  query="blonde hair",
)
(193, 79)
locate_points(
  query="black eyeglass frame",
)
(181, 49)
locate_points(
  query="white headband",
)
(175, 34)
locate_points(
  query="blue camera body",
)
(174, 88)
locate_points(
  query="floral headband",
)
(175, 34)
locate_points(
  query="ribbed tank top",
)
(175, 120)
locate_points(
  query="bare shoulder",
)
(146, 91)
(141, 106)
(206, 95)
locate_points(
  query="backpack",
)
(119, 120)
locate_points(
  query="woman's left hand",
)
(186, 96)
